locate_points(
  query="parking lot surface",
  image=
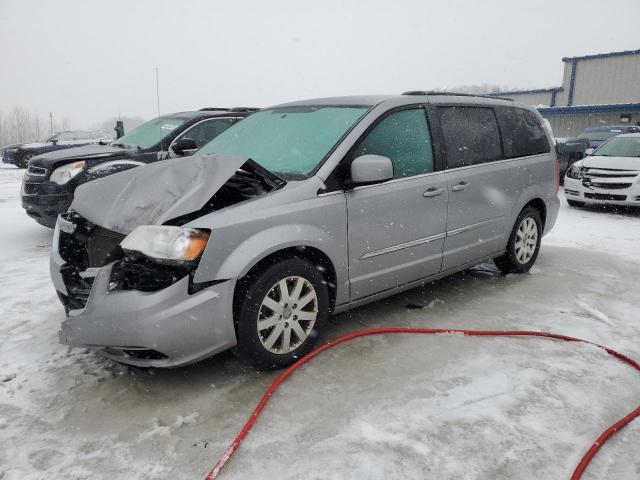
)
(441, 406)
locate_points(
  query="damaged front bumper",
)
(166, 328)
(620, 191)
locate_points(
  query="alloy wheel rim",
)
(526, 240)
(287, 314)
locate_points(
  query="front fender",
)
(266, 242)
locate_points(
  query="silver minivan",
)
(295, 213)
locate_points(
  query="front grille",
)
(100, 243)
(86, 245)
(145, 354)
(31, 188)
(610, 186)
(43, 188)
(613, 175)
(610, 173)
(8, 155)
(138, 353)
(605, 196)
(36, 171)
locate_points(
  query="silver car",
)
(609, 176)
(295, 213)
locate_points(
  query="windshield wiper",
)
(271, 179)
(121, 145)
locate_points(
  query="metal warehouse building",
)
(601, 89)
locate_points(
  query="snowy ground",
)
(440, 407)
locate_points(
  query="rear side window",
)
(203, 132)
(522, 132)
(470, 135)
(402, 136)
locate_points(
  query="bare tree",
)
(3, 131)
(19, 125)
(37, 129)
(61, 124)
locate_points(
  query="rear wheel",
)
(279, 312)
(573, 203)
(524, 243)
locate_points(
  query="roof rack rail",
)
(454, 94)
(205, 109)
(244, 109)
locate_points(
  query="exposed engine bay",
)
(86, 246)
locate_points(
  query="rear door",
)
(397, 228)
(481, 191)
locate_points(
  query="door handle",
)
(460, 186)
(433, 191)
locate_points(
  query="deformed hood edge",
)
(155, 193)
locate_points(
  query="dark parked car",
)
(19, 154)
(569, 151)
(598, 135)
(51, 179)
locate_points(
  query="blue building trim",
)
(553, 91)
(607, 108)
(572, 83)
(602, 55)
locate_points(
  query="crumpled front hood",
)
(617, 163)
(72, 154)
(154, 193)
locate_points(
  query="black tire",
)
(509, 262)
(254, 289)
(573, 203)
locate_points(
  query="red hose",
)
(577, 474)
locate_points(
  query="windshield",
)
(150, 133)
(600, 136)
(290, 141)
(620, 147)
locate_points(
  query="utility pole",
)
(50, 123)
(158, 89)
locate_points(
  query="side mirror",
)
(183, 145)
(54, 141)
(371, 169)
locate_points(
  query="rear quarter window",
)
(470, 135)
(522, 132)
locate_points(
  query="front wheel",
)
(279, 312)
(23, 161)
(524, 243)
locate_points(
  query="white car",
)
(610, 176)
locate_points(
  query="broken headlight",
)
(166, 243)
(574, 172)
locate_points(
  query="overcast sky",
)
(87, 59)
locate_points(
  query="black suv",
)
(51, 178)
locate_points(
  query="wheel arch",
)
(305, 252)
(541, 207)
